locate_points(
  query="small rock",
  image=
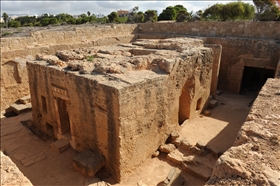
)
(167, 148)
(213, 103)
(177, 142)
(174, 135)
(156, 154)
(185, 144)
(207, 112)
(200, 144)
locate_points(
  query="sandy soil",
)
(42, 166)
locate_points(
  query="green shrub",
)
(90, 58)
(7, 33)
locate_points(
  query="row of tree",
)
(266, 10)
(47, 19)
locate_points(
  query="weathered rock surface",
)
(255, 157)
(10, 174)
(167, 148)
(124, 105)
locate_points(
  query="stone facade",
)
(126, 101)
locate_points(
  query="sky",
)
(26, 7)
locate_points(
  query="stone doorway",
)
(63, 118)
(185, 100)
(254, 78)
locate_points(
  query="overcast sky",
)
(27, 7)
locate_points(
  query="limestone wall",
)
(246, 29)
(15, 51)
(240, 52)
(252, 44)
(254, 157)
(152, 109)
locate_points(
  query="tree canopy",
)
(113, 17)
(230, 11)
(171, 13)
(267, 10)
(150, 15)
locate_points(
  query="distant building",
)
(123, 13)
(1, 20)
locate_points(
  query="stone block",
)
(185, 144)
(167, 148)
(89, 162)
(25, 99)
(201, 144)
(21, 108)
(60, 145)
(156, 154)
(200, 171)
(213, 103)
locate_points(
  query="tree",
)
(171, 13)
(213, 12)
(150, 15)
(266, 10)
(230, 11)
(14, 24)
(45, 21)
(26, 20)
(271, 14)
(5, 17)
(88, 13)
(113, 17)
(140, 17)
(183, 16)
(133, 16)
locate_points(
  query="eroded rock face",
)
(10, 174)
(123, 100)
(254, 158)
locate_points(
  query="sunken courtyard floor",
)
(43, 166)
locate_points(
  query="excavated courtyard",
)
(43, 166)
(235, 141)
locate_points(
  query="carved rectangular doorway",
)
(63, 117)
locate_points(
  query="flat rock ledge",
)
(254, 158)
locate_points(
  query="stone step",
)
(197, 169)
(89, 162)
(213, 103)
(60, 145)
(20, 108)
(215, 151)
(25, 99)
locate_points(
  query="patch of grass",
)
(90, 58)
(7, 33)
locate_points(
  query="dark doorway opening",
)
(63, 115)
(50, 130)
(185, 100)
(254, 78)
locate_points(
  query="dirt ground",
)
(43, 166)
